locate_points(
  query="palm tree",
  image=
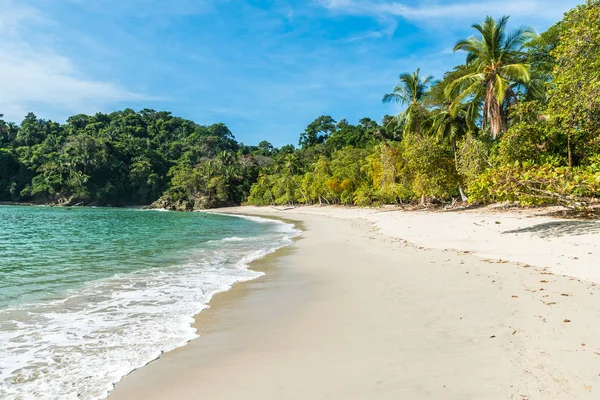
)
(208, 170)
(203, 175)
(409, 92)
(495, 57)
(290, 163)
(232, 176)
(450, 126)
(225, 158)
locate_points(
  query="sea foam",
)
(79, 346)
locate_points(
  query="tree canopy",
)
(125, 158)
(519, 121)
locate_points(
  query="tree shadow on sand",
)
(561, 228)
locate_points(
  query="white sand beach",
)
(383, 304)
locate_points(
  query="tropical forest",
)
(517, 122)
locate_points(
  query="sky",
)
(266, 68)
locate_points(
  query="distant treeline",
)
(519, 121)
(125, 158)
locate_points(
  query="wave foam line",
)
(80, 346)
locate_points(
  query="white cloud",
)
(148, 8)
(12, 17)
(34, 76)
(535, 9)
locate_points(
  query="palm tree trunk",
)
(463, 196)
(570, 150)
(494, 112)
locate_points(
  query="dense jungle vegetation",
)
(519, 121)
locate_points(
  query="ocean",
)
(87, 295)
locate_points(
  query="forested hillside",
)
(125, 158)
(518, 121)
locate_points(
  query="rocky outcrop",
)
(172, 205)
(197, 203)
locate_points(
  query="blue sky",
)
(266, 68)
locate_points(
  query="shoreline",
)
(267, 264)
(276, 335)
(181, 293)
(225, 304)
(203, 319)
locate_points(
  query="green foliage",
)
(384, 168)
(575, 97)
(539, 50)
(473, 156)
(360, 135)
(485, 130)
(317, 131)
(518, 122)
(531, 138)
(430, 167)
(347, 173)
(530, 184)
(125, 157)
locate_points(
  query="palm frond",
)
(472, 90)
(516, 72)
(474, 47)
(411, 89)
(517, 38)
(459, 85)
(500, 87)
(391, 97)
(465, 45)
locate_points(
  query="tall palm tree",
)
(409, 92)
(495, 56)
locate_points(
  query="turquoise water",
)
(87, 295)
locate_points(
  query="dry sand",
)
(350, 311)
